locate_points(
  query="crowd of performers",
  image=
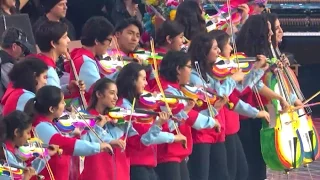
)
(166, 114)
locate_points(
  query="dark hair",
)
(46, 97)
(126, 23)
(49, 31)
(168, 28)
(170, 62)
(23, 74)
(199, 49)
(221, 36)
(96, 28)
(253, 37)
(271, 17)
(15, 120)
(126, 80)
(100, 86)
(189, 15)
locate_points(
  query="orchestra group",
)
(158, 113)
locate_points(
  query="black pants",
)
(249, 135)
(142, 173)
(237, 162)
(208, 162)
(173, 171)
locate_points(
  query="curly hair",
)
(253, 37)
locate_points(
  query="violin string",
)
(232, 34)
(6, 157)
(156, 75)
(86, 123)
(45, 159)
(210, 108)
(130, 119)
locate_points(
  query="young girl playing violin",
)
(175, 70)
(237, 164)
(104, 98)
(143, 156)
(254, 39)
(27, 77)
(45, 107)
(209, 145)
(15, 129)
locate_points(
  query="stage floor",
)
(302, 173)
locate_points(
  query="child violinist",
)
(175, 70)
(209, 145)
(45, 107)
(27, 77)
(104, 98)
(15, 132)
(131, 83)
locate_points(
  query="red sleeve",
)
(65, 143)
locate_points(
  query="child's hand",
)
(28, 173)
(189, 106)
(118, 143)
(163, 118)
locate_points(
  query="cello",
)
(280, 143)
(307, 131)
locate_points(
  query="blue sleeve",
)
(246, 109)
(226, 88)
(250, 79)
(23, 99)
(102, 133)
(86, 148)
(53, 78)
(12, 160)
(89, 72)
(203, 122)
(46, 131)
(156, 136)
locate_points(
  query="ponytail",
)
(46, 97)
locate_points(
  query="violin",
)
(221, 19)
(32, 149)
(14, 170)
(198, 94)
(154, 101)
(147, 56)
(224, 67)
(67, 123)
(138, 115)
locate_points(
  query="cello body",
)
(280, 143)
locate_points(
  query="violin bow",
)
(130, 120)
(46, 161)
(156, 76)
(89, 127)
(76, 77)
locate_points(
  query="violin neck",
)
(143, 111)
(177, 97)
